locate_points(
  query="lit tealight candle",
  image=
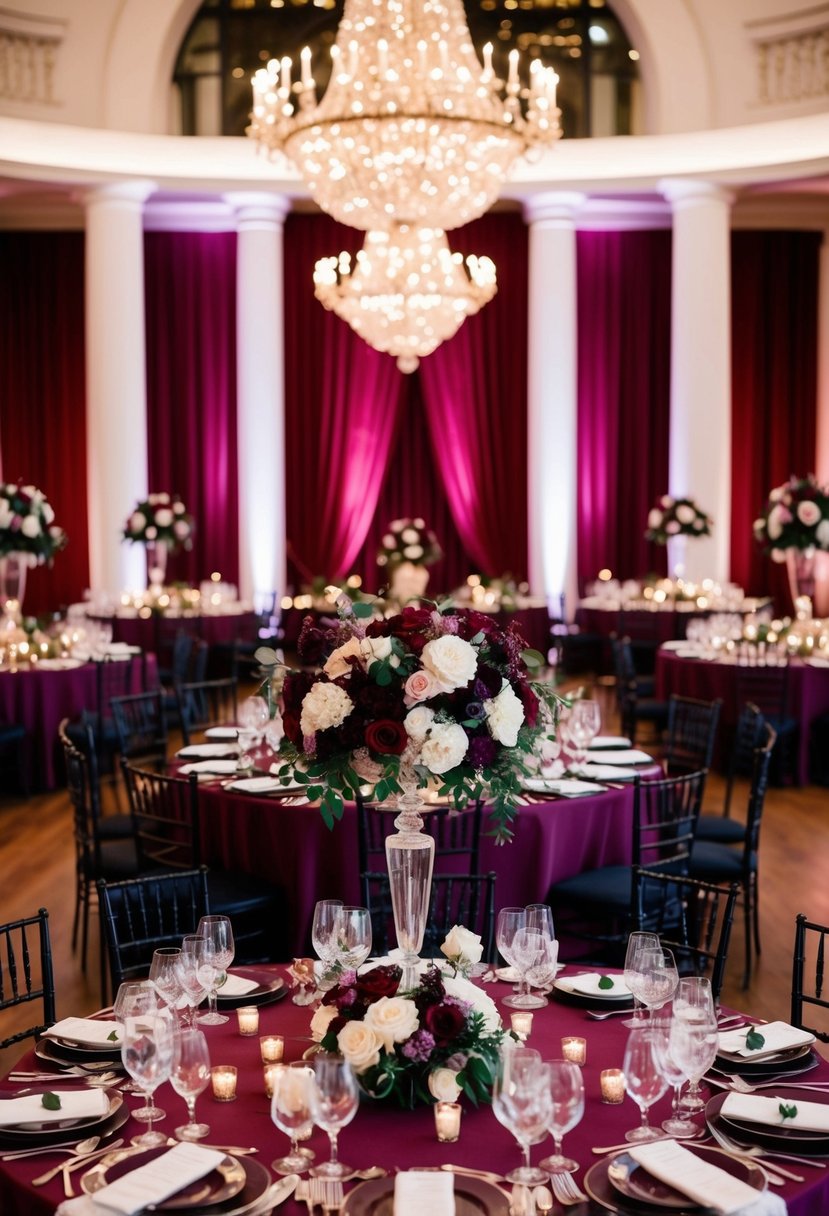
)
(248, 1017)
(522, 1024)
(224, 1082)
(612, 1081)
(269, 1072)
(448, 1121)
(574, 1049)
(271, 1047)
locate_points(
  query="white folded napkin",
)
(89, 1032)
(74, 1104)
(588, 984)
(611, 741)
(208, 750)
(704, 1182)
(209, 766)
(419, 1191)
(116, 648)
(148, 1184)
(613, 756)
(778, 1036)
(567, 787)
(255, 785)
(59, 664)
(222, 732)
(237, 985)
(606, 772)
(751, 1108)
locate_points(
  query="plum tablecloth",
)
(383, 1135)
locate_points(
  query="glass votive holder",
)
(522, 1024)
(448, 1121)
(612, 1082)
(271, 1048)
(223, 1077)
(574, 1049)
(269, 1073)
(248, 1018)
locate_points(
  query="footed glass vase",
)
(157, 552)
(410, 856)
(13, 567)
(800, 567)
(408, 582)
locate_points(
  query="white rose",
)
(464, 944)
(359, 1045)
(164, 517)
(397, 525)
(777, 494)
(393, 1019)
(654, 518)
(336, 665)
(388, 541)
(151, 533)
(152, 499)
(451, 660)
(323, 706)
(5, 513)
(137, 522)
(445, 748)
(30, 526)
(164, 497)
(775, 523)
(375, 649)
(443, 1085)
(759, 527)
(666, 501)
(418, 722)
(410, 536)
(822, 534)
(672, 527)
(808, 513)
(413, 552)
(685, 514)
(181, 528)
(504, 715)
(321, 1020)
(480, 1001)
(30, 490)
(178, 507)
(48, 513)
(419, 523)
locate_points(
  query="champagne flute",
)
(676, 1076)
(189, 1076)
(335, 1098)
(292, 1110)
(147, 1055)
(643, 1081)
(567, 1094)
(637, 944)
(522, 1103)
(510, 920)
(217, 931)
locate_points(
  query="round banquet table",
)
(39, 699)
(382, 1134)
(808, 693)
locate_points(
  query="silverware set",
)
(324, 1193)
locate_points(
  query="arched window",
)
(582, 39)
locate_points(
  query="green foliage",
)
(754, 1040)
(51, 1101)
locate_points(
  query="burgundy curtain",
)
(774, 302)
(475, 397)
(42, 395)
(342, 403)
(190, 288)
(624, 343)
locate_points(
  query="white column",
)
(261, 392)
(116, 382)
(700, 437)
(552, 400)
(822, 438)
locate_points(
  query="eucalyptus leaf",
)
(51, 1101)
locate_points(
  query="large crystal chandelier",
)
(412, 128)
(406, 292)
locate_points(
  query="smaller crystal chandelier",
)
(407, 292)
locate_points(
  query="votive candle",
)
(224, 1082)
(574, 1049)
(448, 1121)
(248, 1017)
(522, 1024)
(271, 1048)
(269, 1072)
(612, 1081)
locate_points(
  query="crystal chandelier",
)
(411, 128)
(407, 292)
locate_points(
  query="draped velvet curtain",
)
(624, 342)
(774, 304)
(190, 291)
(42, 395)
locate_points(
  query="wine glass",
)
(217, 931)
(540, 916)
(353, 937)
(324, 933)
(637, 944)
(529, 947)
(659, 978)
(521, 1102)
(292, 1110)
(567, 1094)
(165, 973)
(254, 714)
(694, 1035)
(674, 1073)
(334, 1101)
(133, 998)
(510, 920)
(189, 1077)
(193, 988)
(544, 968)
(147, 1055)
(583, 725)
(643, 1081)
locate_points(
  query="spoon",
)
(543, 1199)
(76, 1150)
(373, 1171)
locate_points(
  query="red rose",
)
(445, 1022)
(380, 981)
(530, 702)
(290, 723)
(386, 737)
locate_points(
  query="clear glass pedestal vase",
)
(157, 553)
(410, 857)
(677, 554)
(13, 567)
(800, 567)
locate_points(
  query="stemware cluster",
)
(526, 940)
(253, 716)
(323, 1092)
(534, 1098)
(341, 937)
(583, 723)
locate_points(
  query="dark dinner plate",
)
(794, 1061)
(599, 1187)
(808, 1144)
(269, 988)
(68, 1135)
(473, 1197)
(219, 1186)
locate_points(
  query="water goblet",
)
(529, 947)
(676, 1076)
(353, 937)
(191, 977)
(254, 714)
(637, 944)
(292, 1110)
(643, 1081)
(521, 1102)
(190, 1076)
(510, 920)
(165, 973)
(324, 933)
(694, 1035)
(147, 1055)
(218, 933)
(567, 1093)
(136, 997)
(659, 978)
(544, 968)
(335, 1098)
(583, 725)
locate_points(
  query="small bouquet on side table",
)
(676, 517)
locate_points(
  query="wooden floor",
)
(37, 870)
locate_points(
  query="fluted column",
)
(700, 442)
(552, 400)
(261, 392)
(116, 382)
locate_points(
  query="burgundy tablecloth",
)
(383, 1135)
(213, 628)
(808, 692)
(39, 700)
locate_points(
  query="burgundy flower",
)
(487, 683)
(293, 730)
(386, 737)
(383, 980)
(413, 627)
(444, 1021)
(312, 645)
(530, 702)
(295, 689)
(481, 751)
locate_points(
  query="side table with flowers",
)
(162, 524)
(671, 522)
(793, 527)
(407, 549)
(28, 537)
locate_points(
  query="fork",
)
(333, 1195)
(566, 1189)
(303, 1194)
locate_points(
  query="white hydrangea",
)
(324, 706)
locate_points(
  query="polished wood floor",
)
(37, 870)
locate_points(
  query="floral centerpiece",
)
(676, 517)
(430, 1043)
(160, 517)
(796, 516)
(408, 540)
(27, 524)
(427, 694)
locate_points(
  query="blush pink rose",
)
(419, 687)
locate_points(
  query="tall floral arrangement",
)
(408, 540)
(796, 516)
(421, 695)
(27, 524)
(160, 517)
(676, 517)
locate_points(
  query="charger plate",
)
(269, 988)
(473, 1197)
(220, 1185)
(807, 1143)
(68, 1131)
(634, 1182)
(796, 1059)
(601, 1190)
